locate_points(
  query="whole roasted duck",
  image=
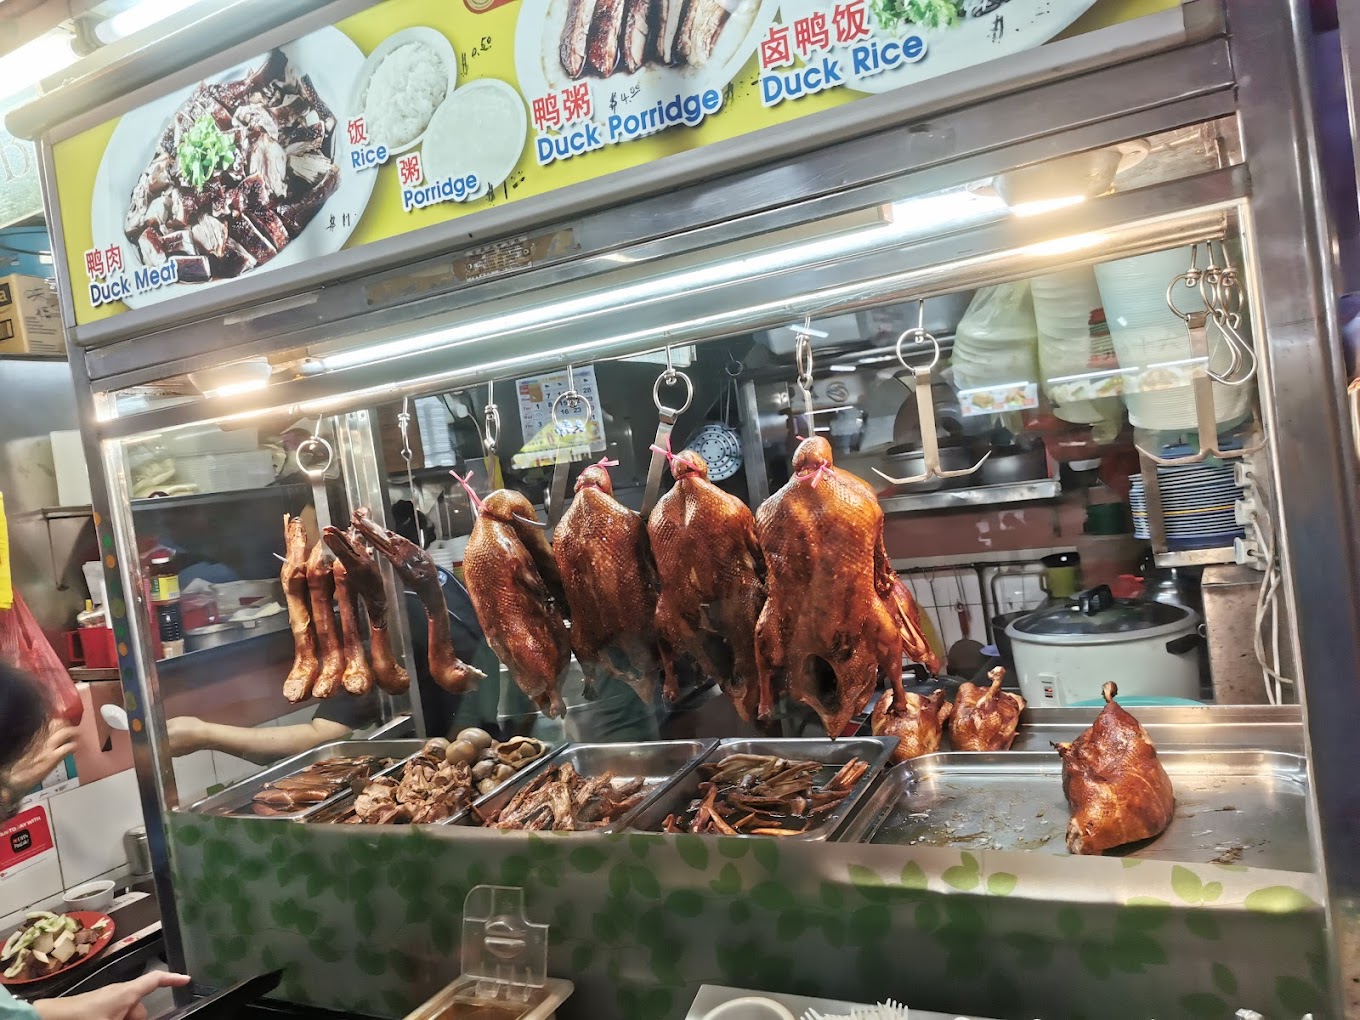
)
(836, 618)
(415, 567)
(516, 590)
(600, 553)
(985, 718)
(917, 722)
(306, 666)
(1116, 788)
(709, 564)
(366, 580)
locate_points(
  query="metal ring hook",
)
(678, 378)
(918, 335)
(315, 442)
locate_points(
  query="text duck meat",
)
(367, 581)
(836, 618)
(415, 567)
(516, 590)
(321, 589)
(600, 554)
(917, 722)
(298, 686)
(985, 718)
(1117, 789)
(708, 561)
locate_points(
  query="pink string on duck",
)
(605, 462)
(670, 457)
(466, 483)
(816, 474)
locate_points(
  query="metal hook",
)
(493, 425)
(571, 395)
(316, 441)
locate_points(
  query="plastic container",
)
(94, 581)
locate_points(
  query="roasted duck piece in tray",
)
(709, 564)
(419, 572)
(562, 800)
(985, 718)
(761, 795)
(330, 652)
(916, 721)
(600, 553)
(516, 589)
(306, 666)
(836, 618)
(1116, 788)
(430, 789)
(366, 580)
(314, 784)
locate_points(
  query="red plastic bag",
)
(24, 646)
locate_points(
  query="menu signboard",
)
(415, 112)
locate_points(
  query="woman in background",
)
(31, 745)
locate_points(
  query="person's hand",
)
(56, 744)
(187, 735)
(116, 1002)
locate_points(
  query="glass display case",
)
(1095, 283)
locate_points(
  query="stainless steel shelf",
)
(213, 498)
(981, 495)
(60, 513)
(1197, 557)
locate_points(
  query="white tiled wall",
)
(940, 591)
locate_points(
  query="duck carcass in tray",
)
(240, 171)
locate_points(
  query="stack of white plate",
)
(1147, 333)
(436, 433)
(1063, 303)
(1197, 502)
(995, 341)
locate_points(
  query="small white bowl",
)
(97, 896)
(749, 1007)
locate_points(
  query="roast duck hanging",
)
(516, 590)
(600, 549)
(708, 561)
(362, 576)
(836, 618)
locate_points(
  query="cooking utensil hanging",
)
(925, 405)
(319, 447)
(719, 442)
(571, 414)
(667, 415)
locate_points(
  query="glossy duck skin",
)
(517, 605)
(600, 552)
(832, 626)
(367, 581)
(1116, 788)
(985, 718)
(298, 686)
(421, 575)
(917, 722)
(321, 589)
(358, 677)
(710, 568)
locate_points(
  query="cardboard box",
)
(30, 319)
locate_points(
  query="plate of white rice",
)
(402, 83)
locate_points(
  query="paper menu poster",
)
(546, 441)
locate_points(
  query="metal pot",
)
(1009, 464)
(212, 637)
(1064, 652)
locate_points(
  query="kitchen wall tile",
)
(22, 887)
(977, 625)
(90, 821)
(194, 773)
(949, 628)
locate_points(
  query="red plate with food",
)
(51, 944)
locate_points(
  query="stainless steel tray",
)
(1232, 807)
(875, 750)
(660, 763)
(236, 800)
(334, 810)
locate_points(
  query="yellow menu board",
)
(415, 112)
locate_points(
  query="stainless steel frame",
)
(1177, 70)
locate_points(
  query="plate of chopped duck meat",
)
(246, 169)
(49, 944)
(560, 799)
(636, 53)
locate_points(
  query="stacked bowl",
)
(1147, 334)
(1063, 303)
(994, 343)
(1197, 503)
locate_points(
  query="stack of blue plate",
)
(1197, 505)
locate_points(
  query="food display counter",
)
(598, 361)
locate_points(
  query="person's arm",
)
(262, 745)
(114, 1002)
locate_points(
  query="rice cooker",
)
(1064, 653)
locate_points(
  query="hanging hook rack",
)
(407, 454)
(667, 416)
(316, 474)
(925, 405)
(564, 426)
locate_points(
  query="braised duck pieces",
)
(985, 718)
(516, 590)
(708, 561)
(836, 619)
(362, 577)
(306, 664)
(917, 722)
(598, 546)
(1116, 788)
(419, 572)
